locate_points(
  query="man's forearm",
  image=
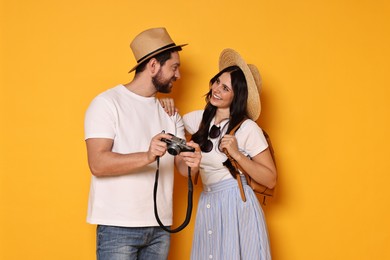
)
(114, 164)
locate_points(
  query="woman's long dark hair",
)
(237, 107)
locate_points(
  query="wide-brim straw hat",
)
(230, 57)
(150, 43)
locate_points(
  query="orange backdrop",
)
(325, 104)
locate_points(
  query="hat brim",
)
(230, 57)
(155, 53)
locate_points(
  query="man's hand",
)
(157, 148)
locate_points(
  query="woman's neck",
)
(221, 115)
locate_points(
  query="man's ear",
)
(153, 66)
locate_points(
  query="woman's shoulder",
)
(192, 120)
(249, 123)
(251, 137)
(193, 115)
(249, 127)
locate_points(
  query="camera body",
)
(177, 145)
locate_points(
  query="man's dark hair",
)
(161, 58)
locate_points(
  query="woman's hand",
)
(229, 142)
(192, 159)
(169, 106)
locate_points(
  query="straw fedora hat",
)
(150, 43)
(230, 57)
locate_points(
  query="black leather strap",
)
(189, 205)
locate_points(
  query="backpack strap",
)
(235, 163)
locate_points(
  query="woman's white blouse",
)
(250, 139)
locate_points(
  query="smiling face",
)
(222, 91)
(167, 74)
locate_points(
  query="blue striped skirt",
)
(228, 228)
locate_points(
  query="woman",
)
(226, 227)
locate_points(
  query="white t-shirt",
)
(131, 121)
(250, 139)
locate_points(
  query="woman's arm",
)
(185, 159)
(261, 167)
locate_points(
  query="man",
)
(123, 131)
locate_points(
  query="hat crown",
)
(150, 41)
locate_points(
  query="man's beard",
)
(162, 85)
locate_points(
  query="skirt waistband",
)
(222, 185)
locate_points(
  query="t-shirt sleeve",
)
(99, 119)
(251, 139)
(179, 125)
(192, 121)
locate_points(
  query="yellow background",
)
(325, 98)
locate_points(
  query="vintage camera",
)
(177, 145)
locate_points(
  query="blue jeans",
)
(128, 243)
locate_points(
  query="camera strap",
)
(189, 203)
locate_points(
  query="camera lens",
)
(174, 150)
